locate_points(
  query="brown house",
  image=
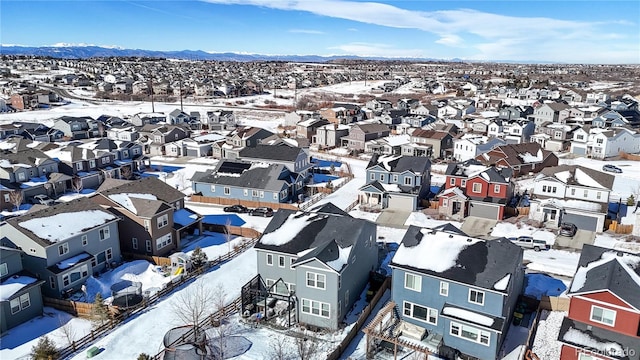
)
(361, 133)
(154, 219)
(521, 158)
(441, 142)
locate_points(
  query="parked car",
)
(42, 199)
(611, 168)
(528, 242)
(262, 211)
(567, 229)
(236, 209)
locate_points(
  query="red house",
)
(604, 312)
(488, 190)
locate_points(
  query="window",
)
(84, 240)
(395, 178)
(7, 198)
(316, 308)
(254, 193)
(463, 183)
(415, 311)
(109, 253)
(275, 196)
(372, 176)
(444, 288)
(104, 160)
(52, 282)
(452, 182)
(477, 187)
(602, 315)
(245, 192)
(63, 249)
(3, 269)
(261, 194)
(291, 261)
(104, 233)
(147, 225)
(148, 245)
(598, 195)
(586, 193)
(134, 243)
(21, 176)
(408, 181)
(412, 282)
(470, 333)
(573, 191)
(476, 297)
(270, 259)
(75, 275)
(213, 188)
(163, 241)
(315, 280)
(292, 288)
(163, 221)
(599, 141)
(496, 188)
(20, 303)
(281, 261)
(381, 177)
(227, 190)
(78, 166)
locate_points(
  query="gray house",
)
(29, 170)
(328, 136)
(296, 159)
(456, 291)
(324, 259)
(244, 181)
(20, 295)
(65, 255)
(361, 133)
(77, 127)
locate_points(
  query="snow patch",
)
(468, 315)
(342, 260)
(502, 283)
(124, 200)
(12, 285)
(51, 228)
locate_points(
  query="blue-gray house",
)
(455, 293)
(396, 182)
(245, 181)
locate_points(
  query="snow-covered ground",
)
(545, 344)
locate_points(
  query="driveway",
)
(393, 218)
(478, 227)
(580, 238)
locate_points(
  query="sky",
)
(573, 31)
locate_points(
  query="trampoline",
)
(126, 294)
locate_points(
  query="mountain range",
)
(85, 52)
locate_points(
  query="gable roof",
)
(598, 339)
(271, 152)
(515, 154)
(272, 177)
(579, 175)
(372, 128)
(399, 164)
(607, 269)
(459, 258)
(312, 235)
(146, 185)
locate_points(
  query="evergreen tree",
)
(45, 349)
(198, 257)
(100, 310)
(631, 200)
(144, 356)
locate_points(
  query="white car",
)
(42, 199)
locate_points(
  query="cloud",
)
(377, 50)
(450, 40)
(305, 31)
(352, 29)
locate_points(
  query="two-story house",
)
(469, 146)
(154, 218)
(322, 257)
(20, 293)
(455, 291)
(359, 134)
(29, 170)
(220, 120)
(296, 159)
(390, 145)
(610, 143)
(65, 243)
(178, 116)
(330, 135)
(396, 182)
(604, 316)
(243, 137)
(571, 193)
(554, 136)
(431, 143)
(548, 112)
(162, 136)
(245, 181)
(309, 127)
(476, 190)
(75, 128)
(123, 133)
(522, 158)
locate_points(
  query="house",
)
(178, 116)
(154, 219)
(604, 317)
(20, 292)
(123, 133)
(296, 159)
(571, 193)
(390, 145)
(322, 258)
(554, 136)
(142, 119)
(487, 191)
(241, 137)
(548, 112)
(200, 146)
(309, 127)
(440, 142)
(469, 146)
(75, 128)
(396, 182)
(220, 120)
(514, 112)
(610, 143)
(512, 131)
(244, 181)
(454, 291)
(361, 133)
(328, 136)
(162, 135)
(65, 255)
(522, 158)
(28, 170)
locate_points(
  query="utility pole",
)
(181, 95)
(153, 109)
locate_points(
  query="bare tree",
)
(67, 330)
(222, 329)
(306, 347)
(179, 176)
(193, 305)
(126, 173)
(15, 198)
(76, 184)
(280, 349)
(228, 236)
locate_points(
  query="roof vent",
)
(620, 254)
(450, 236)
(469, 240)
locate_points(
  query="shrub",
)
(45, 349)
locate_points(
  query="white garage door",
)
(583, 222)
(482, 210)
(401, 202)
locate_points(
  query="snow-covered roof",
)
(289, 229)
(573, 204)
(530, 158)
(62, 226)
(468, 315)
(65, 264)
(502, 283)
(342, 260)
(124, 199)
(14, 284)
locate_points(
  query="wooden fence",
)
(244, 232)
(169, 287)
(523, 210)
(247, 203)
(337, 352)
(627, 156)
(554, 303)
(75, 308)
(619, 228)
(156, 260)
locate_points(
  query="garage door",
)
(483, 210)
(401, 202)
(583, 222)
(192, 152)
(579, 150)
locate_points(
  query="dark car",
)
(611, 168)
(567, 229)
(262, 211)
(236, 209)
